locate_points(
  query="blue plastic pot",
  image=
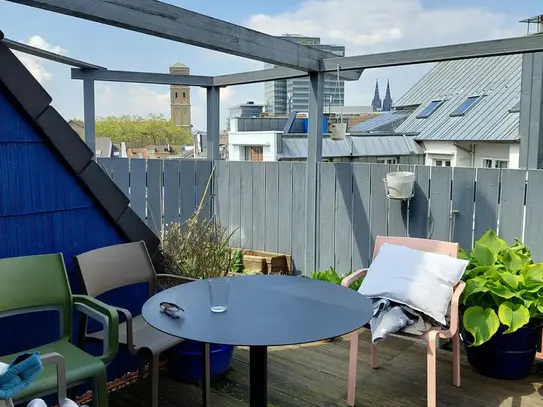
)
(186, 359)
(504, 356)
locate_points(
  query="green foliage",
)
(331, 276)
(140, 132)
(503, 287)
(237, 261)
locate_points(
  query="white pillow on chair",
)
(421, 280)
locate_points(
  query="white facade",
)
(241, 143)
(479, 155)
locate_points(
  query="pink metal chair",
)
(431, 337)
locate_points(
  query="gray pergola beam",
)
(508, 46)
(142, 77)
(51, 56)
(164, 20)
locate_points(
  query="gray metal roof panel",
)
(388, 121)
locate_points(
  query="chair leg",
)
(374, 357)
(154, 371)
(100, 395)
(353, 361)
(431, 373)
(456, 359)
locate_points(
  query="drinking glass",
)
(218, 294)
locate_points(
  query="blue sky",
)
(362, 26)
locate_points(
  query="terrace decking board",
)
(315, 375)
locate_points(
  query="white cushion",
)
(421, 280)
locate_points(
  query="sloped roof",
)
(388, 122)
(497, 79)
(26, 92)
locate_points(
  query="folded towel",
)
(19, 374)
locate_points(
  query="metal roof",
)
(358, 146)
(497, 79)
(388, 121)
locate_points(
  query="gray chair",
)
(111, 267)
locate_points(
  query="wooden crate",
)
(267, 262)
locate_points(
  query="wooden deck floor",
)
(316, 375)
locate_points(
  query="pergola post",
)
(89, 114)
(213, 123)
(314, 156)
(531, 112)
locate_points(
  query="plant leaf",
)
(512, 280)
(512, 260)
(514, 316)
(483, 255)
(533, 277)
(462, 254)
(475, 285)
(502, 291)
(492, 242)
(481, 323)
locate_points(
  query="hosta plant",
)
(503, 288)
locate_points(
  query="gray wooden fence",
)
(263, 204)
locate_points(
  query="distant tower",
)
(376, 103)
(180, 98)
(387, 101)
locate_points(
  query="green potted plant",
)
(502, 307)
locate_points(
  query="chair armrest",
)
(108, 316)
(129, 330)
(455, 302)
(174, 277)
(54, 358)
(351, 278)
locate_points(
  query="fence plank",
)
(533, 235)
(202, 171)
(440, 202)
(419, 204)
(463, 201)
(234, 217)
(154, 195)
(222, 199)
(513, 189)
(171, 191)
(486, 201)
(378, 203)
(397, 210)
(121, 174)
(343, 224)
(187, 186)
(246, 205)
(298, 221)
(285, 208)
(326, 215)
(138, 186)
(361, 216)
(259, 205)
(107, 165)
(271, 197)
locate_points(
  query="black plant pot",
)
(504, 356)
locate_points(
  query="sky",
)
(364, 27)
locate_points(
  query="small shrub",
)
(331, 276)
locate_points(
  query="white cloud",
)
(35, 65)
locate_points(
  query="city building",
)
(287, 95)
(180, 98)
(249, 109)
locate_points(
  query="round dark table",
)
(270, 310)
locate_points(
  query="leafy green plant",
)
(503, 288)
(237, 261)
(331, 276)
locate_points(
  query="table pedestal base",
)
(258, 378)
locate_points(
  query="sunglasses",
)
(171, 309)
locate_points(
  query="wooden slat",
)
(138, 186)
(512, 195)
(397, 210)
(187, 186)
(222, 199)
(533, 235)
(285, 208)
(121, 173)
(463, 201)
(272, 198)
(486, 201)
(361, 216)
(246, 205)
(234, 217)
(326, 217)
(440, 202)
(343, 224)
(259, 205)
(298, 217)
(378, 203)
(154, 195)
(171, 191)
(419, 204)
(202, 171)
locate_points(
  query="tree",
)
(138, 131)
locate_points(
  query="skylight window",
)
(466, 106)
(430, 109)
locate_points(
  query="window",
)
(176, 94)
(387, 160)
(254, 153)
(465, 106)
(494, 163)
(430, 109)
(184, 95)
(442, 163)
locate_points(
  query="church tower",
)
(387, 101)
(376, 103)
(180, 98)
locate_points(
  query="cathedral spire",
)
(387, 102)
(376, 103)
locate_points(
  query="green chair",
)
(40, 283)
